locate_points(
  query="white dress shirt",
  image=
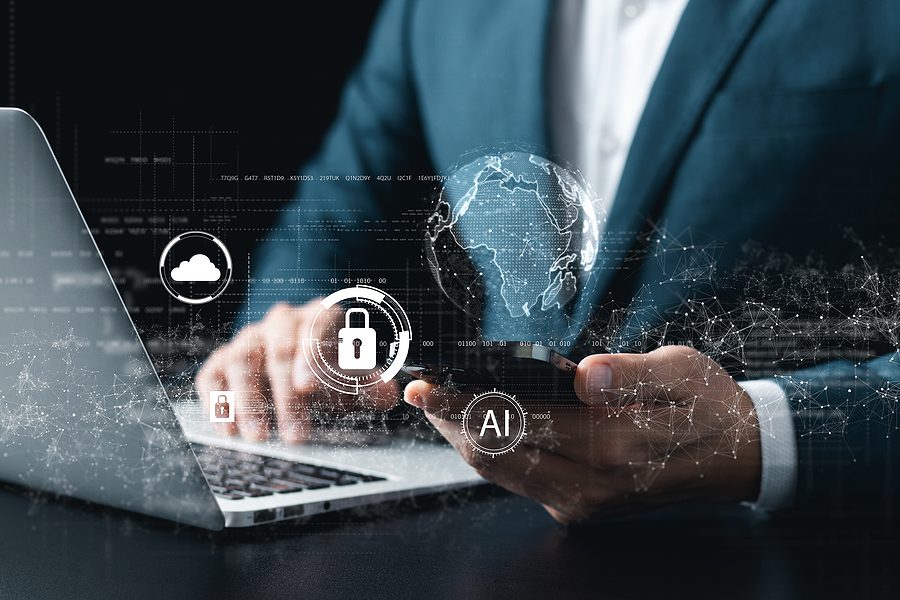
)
(604, 57)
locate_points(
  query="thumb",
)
(623, 378)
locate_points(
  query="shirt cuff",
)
(777, 444)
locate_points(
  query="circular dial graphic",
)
(494, 423)
(360, 337)
(195, 267)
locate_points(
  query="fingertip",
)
(292, 436)
(255, 434)
(419, 387)
(226, 428)
(302, 378)
(594, 359)
(594, 378)
(252, 428)
(416, 392)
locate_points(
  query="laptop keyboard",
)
(235, 475)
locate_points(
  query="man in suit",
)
(766, 121)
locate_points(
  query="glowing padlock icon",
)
(357, 345)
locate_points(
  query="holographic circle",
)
(498, 412)
(324, 366)
(167, 281)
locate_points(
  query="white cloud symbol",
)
(199, 268)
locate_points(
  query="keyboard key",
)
(303, 469)
(257, 491)
(330, 474)
(309, 482)
(285, 487)
(280, 464)
(288, 486)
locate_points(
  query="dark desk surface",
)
(492, 545)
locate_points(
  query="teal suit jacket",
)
(774, 122)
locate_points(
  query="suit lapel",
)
(706, 43)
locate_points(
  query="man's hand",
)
(264, 364)
(663, 427)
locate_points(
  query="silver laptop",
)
(83, 413)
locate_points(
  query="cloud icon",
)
(199, 268)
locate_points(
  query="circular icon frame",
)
(345, 383)
(494, 395)
(164, 276)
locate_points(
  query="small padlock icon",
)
(356, 345)
(223, 408)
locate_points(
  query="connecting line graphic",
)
(761, 322)
(88, 417)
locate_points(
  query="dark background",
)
(269, 76)
(216, 88)
(273, 73)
